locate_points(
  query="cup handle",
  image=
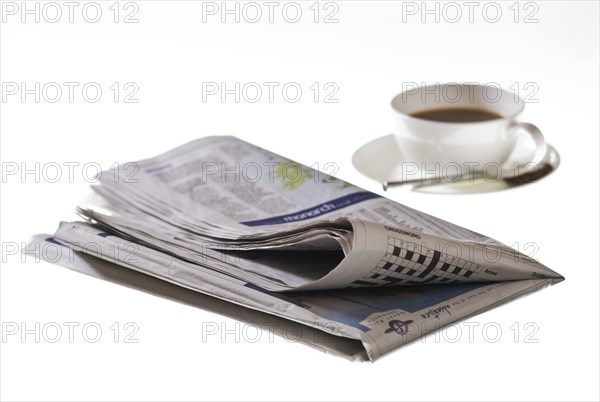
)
(540, 143)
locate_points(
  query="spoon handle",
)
(428, 181)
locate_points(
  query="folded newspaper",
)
(228, 219)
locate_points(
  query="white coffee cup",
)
(435, 144)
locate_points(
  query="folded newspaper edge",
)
(227, 219)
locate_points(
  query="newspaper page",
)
(380, 242)
(381, 319)
(231, 220)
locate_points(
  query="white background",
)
(370, 53)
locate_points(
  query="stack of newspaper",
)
(230, 220)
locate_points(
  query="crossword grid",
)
(408, 262)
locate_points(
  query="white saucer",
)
(381, 160)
